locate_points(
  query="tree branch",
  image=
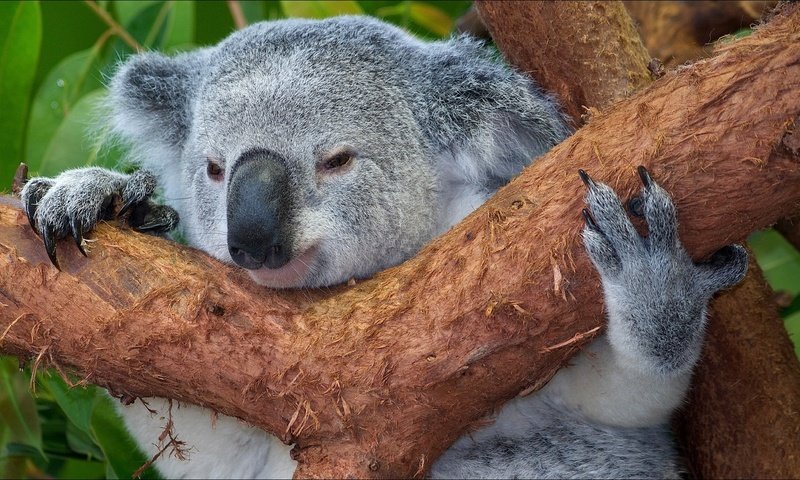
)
(741, 415)
(606, 57)
(379, 378)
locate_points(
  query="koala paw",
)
(73, 203)
(653, 290)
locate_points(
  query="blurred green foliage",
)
(55, 59)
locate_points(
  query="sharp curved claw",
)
(587, 180)
(154, 226)
(77, 234)
(636, 206)
(30, 211)
(126, 207)
(49, 237)
(645, 176)
(589, 219)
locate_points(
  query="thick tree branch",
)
(742, 415)
(606, 57)
(680, 31)
(380, 378)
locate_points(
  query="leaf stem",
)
(237, 13)
(116, 27)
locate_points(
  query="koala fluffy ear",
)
(490, 119)
(152, 94)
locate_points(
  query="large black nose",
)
(259, 205)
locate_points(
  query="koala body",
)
(313, 152)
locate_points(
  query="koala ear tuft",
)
(151, 97)
(493, 118)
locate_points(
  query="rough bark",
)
(742, 419)
(593, 76)
(790, 228)
(680, 31)
(379, 378)
(717, 455)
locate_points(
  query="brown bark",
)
(606, 56)
(743, 416)
(679, 31)
(790, 228)
(378, 379)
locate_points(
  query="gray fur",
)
(432, 130)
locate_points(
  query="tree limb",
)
(742, 417)
(606, 57)
(379, 378)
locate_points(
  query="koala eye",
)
(214, 170)
(336, 161)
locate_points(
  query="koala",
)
(312, 152)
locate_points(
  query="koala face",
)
(312, 152)
(298, 180)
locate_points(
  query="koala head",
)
(312, 152)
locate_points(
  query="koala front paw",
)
(655, 295)
(73, 203)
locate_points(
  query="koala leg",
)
(213, 447)
(655, 298)
(73, 203)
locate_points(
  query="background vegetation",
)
(55, 57)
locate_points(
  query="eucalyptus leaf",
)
(20, 39)
(432, 18)
(122, 453)
(778, 259)
(321, 9)
(18, 413)
(73, 77)
(127, 10)
(77, 403)
(72, 146)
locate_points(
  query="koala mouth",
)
(292, 275)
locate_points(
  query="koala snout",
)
(258, 208)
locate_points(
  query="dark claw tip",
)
(32, 222)
(125, 208)
(645, 176)
(636, 206)
(587, 180)
(588, 218)
(50, 247)
(154, 226)
(77, 234)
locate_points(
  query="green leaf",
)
(72, 145)
(432, 18)
(253, 11)
(120, 450)
(156, 25)
(71, 79)
(180, 25)
(20, 38)
(82, 442)
(321, 9)
(77, 403)
(128, 10)
(18, 414)
(779, 260)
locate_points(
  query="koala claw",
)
(77, 234)
(589, 220)
(587, 180)
(49, 237)
(140, 186)
(36, 188)
(644, 175)
(72, 204)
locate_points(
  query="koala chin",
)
(313, 152)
